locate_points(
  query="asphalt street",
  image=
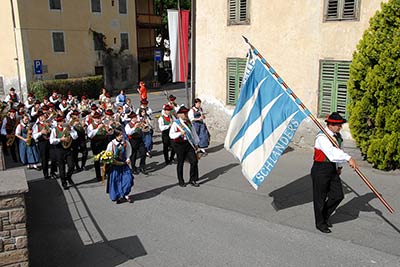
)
(224, 222)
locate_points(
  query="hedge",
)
(89, 86)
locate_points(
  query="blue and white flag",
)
(265, 120)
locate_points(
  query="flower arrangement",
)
(107, 157)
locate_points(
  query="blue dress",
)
(120, 177)
(201, 130)
(28, 154)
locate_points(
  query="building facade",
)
(309, 43)
(57, 39)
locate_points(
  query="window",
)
(123, 9)
(124, 41)
(55, 4)
(333, 87)
(235, 70)
(96, 6)
(124, 74)
(98, 41)
(341, 10)
(58, 41)
(238, 12)
(61, 76)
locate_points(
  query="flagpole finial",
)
(245, 39)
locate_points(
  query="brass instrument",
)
(11, 137)
(28, 135)
(66, 133)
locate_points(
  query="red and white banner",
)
(178, 27)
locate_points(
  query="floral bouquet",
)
(107, 157)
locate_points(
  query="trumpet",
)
(28, 136)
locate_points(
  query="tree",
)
(374, 89)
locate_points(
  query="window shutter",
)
(235, 72)
(343, 72)
(332, 9)
(243, 10)
(333, 87)
(349, 9)
(232, 10)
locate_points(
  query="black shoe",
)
(119, 201)
(329, 224)
(53, 175)
(64, 185)
(47, 177)
(182, 185)
(71, 182)
(135, 171)
(143, 170)
(194, 184)
(325, 230)
(86, 168)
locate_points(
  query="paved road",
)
(223, 223)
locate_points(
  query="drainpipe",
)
(21, 95)
(193, 51)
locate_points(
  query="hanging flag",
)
(265, 120)
(178, 28)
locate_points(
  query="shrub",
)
(89, 86)
(374, 89)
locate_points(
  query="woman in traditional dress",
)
(120, 177)
(28, 151)
(196, 116)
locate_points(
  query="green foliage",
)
(89, 86)
(374, 89)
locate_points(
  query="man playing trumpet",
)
(41, 134)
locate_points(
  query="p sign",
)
(37, 65)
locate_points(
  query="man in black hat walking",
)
(326, 170)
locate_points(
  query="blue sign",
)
(37, 65)
(157, 55)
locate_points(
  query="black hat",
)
(183, 109)
(132, 115)
(59, 118)
(172, 97)
(335, 118)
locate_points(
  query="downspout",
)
(193, 51)
(21, 95)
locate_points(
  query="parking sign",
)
(37, 65)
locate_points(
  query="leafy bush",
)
(89, 86)
(374, 89)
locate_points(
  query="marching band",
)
(58, 129)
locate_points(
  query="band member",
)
(35, 111)
(64, 106)
(79, 144)
(172, 103)
(28, 153)
(326, 170)
(134, 132)
(45, 102)
(147, 131)
(21, 111)
(54, 98)
(107, 102)
(120, 176)
(164, 123)
(120, 100)
(128, 107)
(70, 98)
(110, 124)
(83, 105)
(144, 105)
(98, 140)
(8, 126)
(102, 97)
(41, 134)
(12, 98)
(62, 153)
(30, 102)
(196, 116)
(142, 90)
(185, 142)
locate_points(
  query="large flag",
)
(178, 28)
(265, 120)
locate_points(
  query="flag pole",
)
(317, 123)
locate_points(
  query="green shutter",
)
(235, 71)
(333, 87)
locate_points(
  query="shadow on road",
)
(53, 237)
(296, 193)
(152, 193)
(212, 175)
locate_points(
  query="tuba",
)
(66, 133)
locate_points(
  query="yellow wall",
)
(8, 64)
(37, 22)
(291, 35)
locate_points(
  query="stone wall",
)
(13, 231)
